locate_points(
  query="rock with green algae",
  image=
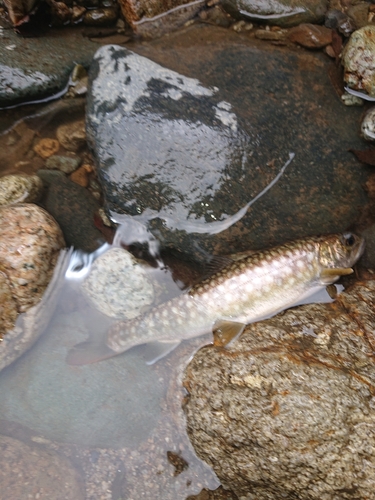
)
(289, 409)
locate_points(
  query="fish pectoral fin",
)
(330, 273)
(157, 350)
(225, 331)
(89, 352)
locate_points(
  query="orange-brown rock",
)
(311, 36)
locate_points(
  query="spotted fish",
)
(248, 289)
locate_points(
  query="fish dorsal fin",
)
(225, 331)
(329, 274)
(157, 350)
(216, 264)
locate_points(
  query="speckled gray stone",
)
(20, 189)
(118, 285)
(288, 411)
(63, 163)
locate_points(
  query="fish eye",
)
(349, 239)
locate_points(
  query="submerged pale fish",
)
(246, 290)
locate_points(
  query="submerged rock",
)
(29, 471)
(280, 12)
(190, 156)
(20, 189)
(288, 410)
(117, 285)
(30, 242)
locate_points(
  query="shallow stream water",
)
(119, 423)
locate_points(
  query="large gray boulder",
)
(186, 157)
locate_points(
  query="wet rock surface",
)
(73, 207)
(29, 246)
(31, 472)
(282, 13)
(217, 149)
(288, 410)
(27, 70)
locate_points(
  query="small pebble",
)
(270, 35)
(368, 125)
(72, 136)
(310, 36)
(351, 100)
(81, 176)
(46, 147)
(100, 17)
(65, 164)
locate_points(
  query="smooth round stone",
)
(65, 164)
(30, 242)
(20, 189)
(118, 285)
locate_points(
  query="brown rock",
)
(31, 472)
(154, 18)
(288, 410)
(46, 148)
(81, 176)
(310, 36)
(72, 136)
(30, 242)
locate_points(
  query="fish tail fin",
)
(89, 352)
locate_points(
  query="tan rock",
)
(72, 136)
(30, 242)
(46, 147)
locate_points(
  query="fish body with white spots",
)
(248, 289)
